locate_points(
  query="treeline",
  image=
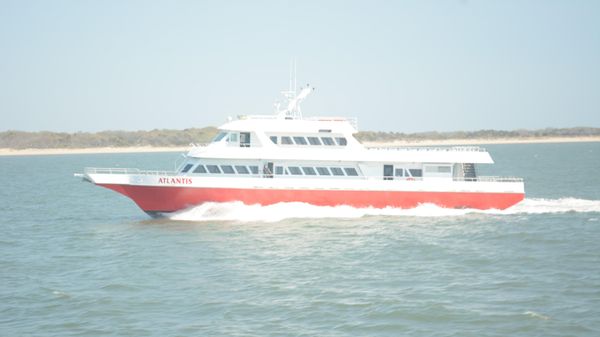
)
(46, 139)
(373, 136)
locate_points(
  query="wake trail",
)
(237, 211)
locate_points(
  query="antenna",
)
(293, 98)
(295, 75)
(292, 68)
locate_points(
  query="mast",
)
(293, 111)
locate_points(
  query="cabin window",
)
(187, 168)
(309, 171)
(254, 169)
(295, 170)
(227, 169)
(399, 172)
(438, 169)
(314, 141)
(328, 141)
(300, 141)
(341, 141)
(200, 169)
(273, 139)
(337, 171)
(233, 137)
(279, 170)
(416, 172)
(241, 169)
(219, 137)
(323, 171)
(213, 169)
(244, 139)
(285, 140)
(324, 130)
(351, 171)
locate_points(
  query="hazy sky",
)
(396, 65)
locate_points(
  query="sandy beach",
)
(445, 142)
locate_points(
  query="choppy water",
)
(78, 260)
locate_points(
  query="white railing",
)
(241, 117)
(430, 148)
(352, 120)
(476, 179)
(490, 179)
(119, 170)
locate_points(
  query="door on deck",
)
(268, 170)
(388, 172)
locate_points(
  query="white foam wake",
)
(542, 206)
(237, 211)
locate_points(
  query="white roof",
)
(272, 124)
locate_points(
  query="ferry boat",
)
(283, 157)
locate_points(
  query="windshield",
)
(220, 136)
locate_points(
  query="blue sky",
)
(402, 66)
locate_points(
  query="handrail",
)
(458, 179)
(489, 179)
(120, 170)
(430, 148)
(242, 117)
(352, 120)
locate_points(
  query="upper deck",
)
(319, 139)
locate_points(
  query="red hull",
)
(170, 199)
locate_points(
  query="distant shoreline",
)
(90, 150)
(443, 142)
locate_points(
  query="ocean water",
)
(79, 260)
